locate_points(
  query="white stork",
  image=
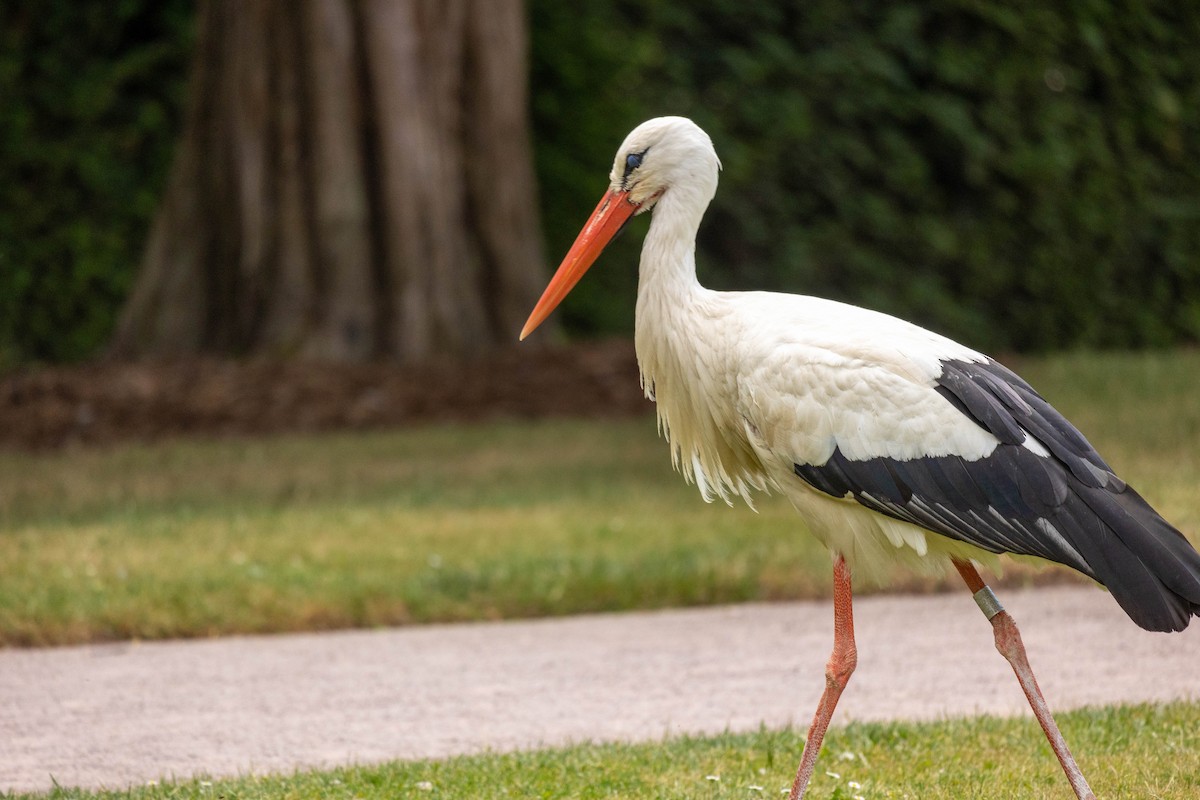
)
(892, 442)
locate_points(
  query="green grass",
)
(1144, 752)
(461, 523)
(442, 524)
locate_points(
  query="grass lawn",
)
(1130, 752)
(457, 523)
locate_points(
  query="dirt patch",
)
(104, 403)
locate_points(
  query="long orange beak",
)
(606, 221)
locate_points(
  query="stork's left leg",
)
(1008, 642)
(837, 675)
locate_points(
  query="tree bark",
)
(354, 181)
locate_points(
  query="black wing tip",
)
(1153, 570)
(1167, 618)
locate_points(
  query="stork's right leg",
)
(1008, 642)
(837, 675)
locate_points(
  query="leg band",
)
(986, 599)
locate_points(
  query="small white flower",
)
(858, 797)
(847, 756)
(425, 786)
(712, 777)
(854, 785)
(834, 775)
(754, 788)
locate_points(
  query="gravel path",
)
(116, 715)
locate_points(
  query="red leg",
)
(837, 675)
(1008, 642)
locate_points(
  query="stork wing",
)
(972, 452)
(1006, 501)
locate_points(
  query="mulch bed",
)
(109, 402)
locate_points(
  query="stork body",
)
(897, 445)
(893, 443)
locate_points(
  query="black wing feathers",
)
(1068, 507)
(982, 505)
(1001, 401)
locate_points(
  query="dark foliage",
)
(1024, 179)
(92, 99)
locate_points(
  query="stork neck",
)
(668, 261)
(667, 292)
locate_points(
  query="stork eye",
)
(632, 162)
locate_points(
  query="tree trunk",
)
(354, 181)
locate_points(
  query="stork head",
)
(666, 154)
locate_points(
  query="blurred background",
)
(359, 181)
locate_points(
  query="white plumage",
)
(895, 444)
(747, 385)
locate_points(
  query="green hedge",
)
(1020, 178)
(90, 104)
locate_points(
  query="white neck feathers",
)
(683, 364)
